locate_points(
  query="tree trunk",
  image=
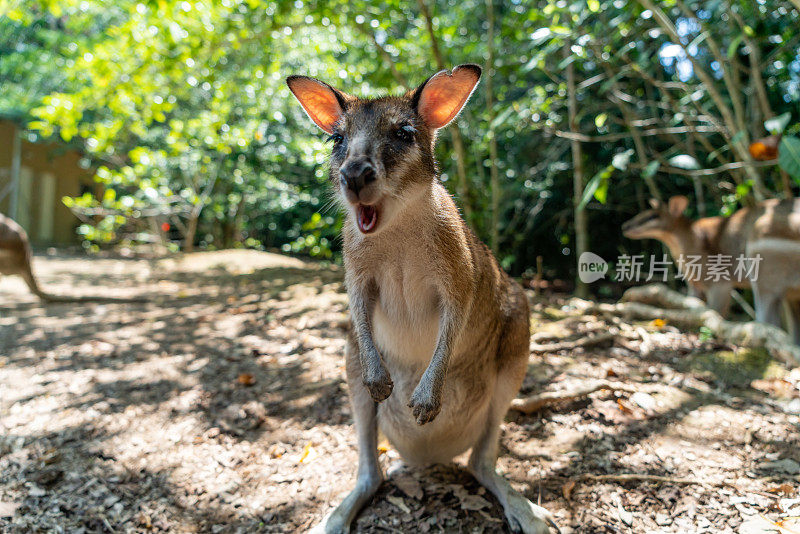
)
(494, 178)
(191, 231)
(462, 186)
(581, 231)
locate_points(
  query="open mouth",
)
(367, 218)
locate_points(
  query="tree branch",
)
(709, 85)
(627, 135)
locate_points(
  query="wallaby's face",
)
(382, 149)
(661, 219)
(382, 155)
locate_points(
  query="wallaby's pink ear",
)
(323, 103)
(677, 205)
(440, 99)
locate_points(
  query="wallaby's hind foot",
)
(522, 515)
(525, 517)
(369, 476)
(794, 320)
(339, 521)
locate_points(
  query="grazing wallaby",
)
(439, 344)
(770, 229)
(15, 259)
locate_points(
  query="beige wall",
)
(49, 172)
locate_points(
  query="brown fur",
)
(440, 336)
(771, 229)
(15, 259)
(15, 255)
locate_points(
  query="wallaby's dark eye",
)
(336, 138)
(406, 132)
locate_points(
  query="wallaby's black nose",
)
(357, 174)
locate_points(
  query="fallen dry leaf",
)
(399, 502)
(246, 379)
(789, 525)
(8, 508)
(785, 489)
(474, 502)
(624, 407)
(644, 400)
(309, 454)
(777, 387)
(410, 486)
(567, 488)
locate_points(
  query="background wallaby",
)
(439, 344)
(771, 229)
(15, 259)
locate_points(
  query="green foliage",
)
(789, 156)
(597, 187)
(181, 110)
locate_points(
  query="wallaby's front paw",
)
(425, 406)
(379, 385)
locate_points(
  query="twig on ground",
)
(661, 296)
(569, 345)
(660, 479)
(646, 346)
(633, 477)
(637, 303)
(535, 403)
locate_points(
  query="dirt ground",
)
(220, 406)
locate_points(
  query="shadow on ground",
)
(219, 406)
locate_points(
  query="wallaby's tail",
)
(27, 275)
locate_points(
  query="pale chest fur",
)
(404, 265)
(405, 315)
(405, 324)
(405, 318)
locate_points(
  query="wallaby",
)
(439, 342)
(770, 229)
(15, 259)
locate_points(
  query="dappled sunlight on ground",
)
(220, 405)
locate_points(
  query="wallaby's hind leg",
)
(767, 304)
(718, 297)
(793, 325)
(27, 275)
(369, 476)
(522, 515)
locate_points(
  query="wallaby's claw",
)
(424, 410)
(379, 386)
